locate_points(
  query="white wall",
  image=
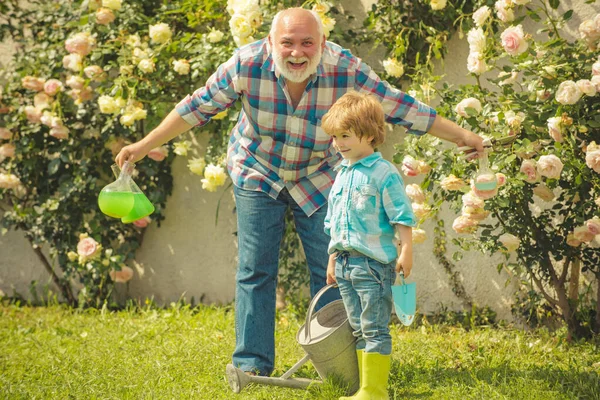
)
(191, 257)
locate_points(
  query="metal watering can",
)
(327, 339)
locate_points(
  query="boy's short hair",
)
(359, 113)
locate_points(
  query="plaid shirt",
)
(366, 200)
(274, 146)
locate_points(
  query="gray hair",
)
(281, 13)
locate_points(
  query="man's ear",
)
(269, 39)
(323, 42)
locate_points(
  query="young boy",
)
(367, 206)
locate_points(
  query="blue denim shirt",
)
(366, 201)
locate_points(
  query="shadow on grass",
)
(503, 379)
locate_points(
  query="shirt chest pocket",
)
(366, 198)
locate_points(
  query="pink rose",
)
(555, 128)
(94, 72)
(477, 214)
(543, 192)
(59, 132)
(9, 181)
(451, 183)
(80, 43)
(415, 193)
(583, 234)
(7, 151)
(421, 210)
(410, 166)
(122, 276)
(550, 166)
(513, 40)
(158, 153)
(33, 83)
(33, 114)
(104, 16)
(82, 95)
(501, 179)
(592, 157)
(87, 247)
(143, 222)
(5, 134)
(471, 103)
(471, 200)
(596, 68)
(464, 224)
(593, 226)
(75, 82)
(52, 86)
(73, 62)
(41, 100)
(528, 167)
(571, 241)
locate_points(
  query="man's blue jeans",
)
(366, 288)
(260, 231)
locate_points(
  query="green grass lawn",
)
(181, 353)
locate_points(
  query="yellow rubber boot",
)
(375, 374)
(359, 356)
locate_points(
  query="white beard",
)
(297, 76)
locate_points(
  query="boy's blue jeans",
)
(260, 231)
(366, 289)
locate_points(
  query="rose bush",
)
(89, 77)
(544, 93)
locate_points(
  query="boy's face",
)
(351, 147)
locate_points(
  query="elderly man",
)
(280, 158)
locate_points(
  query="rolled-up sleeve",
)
(396, 203)
(219, 93)
(399, 107)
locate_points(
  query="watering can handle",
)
(311, 308)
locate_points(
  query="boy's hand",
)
(331, 269)
(405, 261)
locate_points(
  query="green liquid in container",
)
(115, 204)
(484, 186)
(141, 208)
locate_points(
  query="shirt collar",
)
(368, 161)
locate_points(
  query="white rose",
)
(438, 4)
(182, 67)
(197, 165)
(550, 166)
(73, 61)
(240, 26)
(328, 24)
(476, 39)
(415, 193)
(215, 36)
(596, 82)
(108, 105)
(568, 93)
(514, 120)
(596, 68)
(255, 18)
(586, 87)
(112, 4)
(503, 11)
(476, 63)
(393, 67)
(160, 33)
(470, 102)
(418, 236)
(214, 176)
(481, 15)
(146, 66)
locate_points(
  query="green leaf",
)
(53, 166)
(568, 15)
(554, 3)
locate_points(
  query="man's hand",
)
(331, 269)
(132, 153)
